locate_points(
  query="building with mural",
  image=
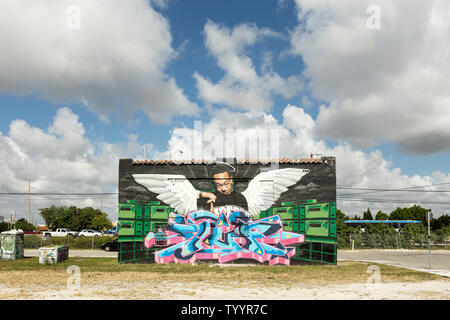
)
(275, 212)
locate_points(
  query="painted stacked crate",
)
(317, 221)
(136, 220)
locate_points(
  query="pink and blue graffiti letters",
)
(202, 235)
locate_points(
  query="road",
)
(76, 253)
(410, 259)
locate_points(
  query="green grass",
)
(344, 272)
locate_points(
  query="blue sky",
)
(354, 91)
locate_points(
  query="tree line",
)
(71, 217)
(439, 225)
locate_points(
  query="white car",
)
(89, 233)
(60, 232)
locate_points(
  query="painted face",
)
(223, 182)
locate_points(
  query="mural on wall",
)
(198, 210)
(204, 235)
(262, 191)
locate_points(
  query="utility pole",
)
(29, 200)
(429, 241)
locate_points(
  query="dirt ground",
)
(136, 286)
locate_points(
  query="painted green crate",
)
(283, 212)
(146, 227)
(160, 212)
(126, 228)
(316, 211)
(262, 214)
(320, 251)
(332, 210)
(293, 225)
(296, 212)
(317, 228)
(126, 211)
(139, 211)
(157, 224)
(320, 239)
(266, 213)
(300, 227)
(131, 238)
(288, 225)
(332, 228)
(147, 212)
(301, 212)
(139, 228)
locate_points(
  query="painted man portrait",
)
(224, 195)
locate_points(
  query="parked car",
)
(112, 230)
(89, 233)
(112, 245)
(60, 232)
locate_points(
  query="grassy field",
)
(105, 278)
(344, 272)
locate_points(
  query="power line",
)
(394, 201)
(424, 186)
(57, 194)
(47, 199)
(378, 190)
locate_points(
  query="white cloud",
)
(386, 85)
(242, 87)
(297, 139)
(114, 61)
(59, 159)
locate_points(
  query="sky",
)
(85, 83)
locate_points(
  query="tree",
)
(380, 228)
(367, 215)
(414, 229)
(441, 222)
(101, 222)
(75, 218)
(381, 216)
(4, 226)
(341, 228)
(413, 213)
(24, 225)
(444, 232)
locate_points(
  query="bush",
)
(4, 226)
(342, 243)
(34, 241)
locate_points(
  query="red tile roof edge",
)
(238, 161)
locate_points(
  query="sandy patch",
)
(150, 287)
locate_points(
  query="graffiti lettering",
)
(203, 235)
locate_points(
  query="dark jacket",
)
(234, 198)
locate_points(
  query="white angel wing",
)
(265, 189)
(173, 189)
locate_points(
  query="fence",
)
(392, 241)
(37, 241)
